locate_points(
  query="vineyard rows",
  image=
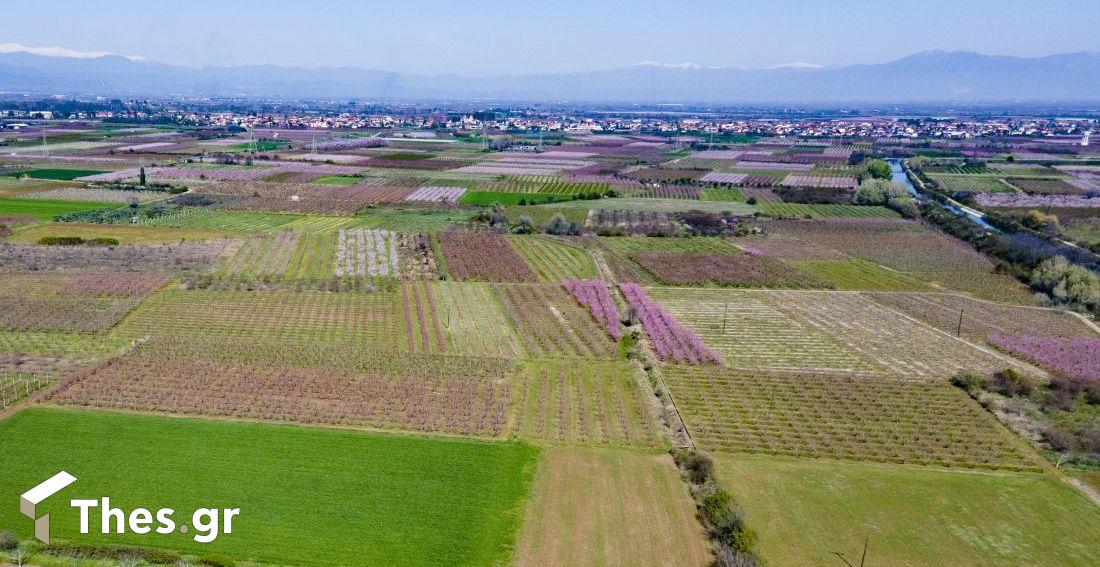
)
(754, 335)
(841, 417)
(596, 403)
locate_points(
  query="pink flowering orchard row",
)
(1077, 358)
(593, 295)
(669, 339)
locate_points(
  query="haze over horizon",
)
(480, 38)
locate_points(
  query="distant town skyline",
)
(492, 38)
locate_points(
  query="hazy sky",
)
(475, 37)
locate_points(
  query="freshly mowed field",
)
(860, 275)
(57, 174)
(805, 510)
(590, 403)
(125, 233)
(47, 209)
(371, 499)
(609, 507)
(824, 210)
(842, 417)
(553, 260)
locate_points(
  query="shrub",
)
(216, 560)
(8, 540)
(698, 466)
(967, 381)
(4, 230)
(61, 240)
(1011, 383)
(76, 241)
(879, 169)
(112, 552)
(717, 508)
(743, 540)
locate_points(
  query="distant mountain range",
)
(927, 77)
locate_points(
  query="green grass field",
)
(306, 496)
(860, 275)
(805, 510)
(337, 180)
(552, 260)
(56, 174)
(490, 197)
(47, 209)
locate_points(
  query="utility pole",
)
(959, 330)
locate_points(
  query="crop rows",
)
(855, 274)
(593, 294)
(841, 417)
(554, 260)
(671, 192)
(365, 252)
(550, 323)
(902, 345)
(445, 394)
(970, 183)
(819, 182)
(372, 318)
(16, 386)
(979, 319)
(753, 334)
(423, 329)
(437, 194)
(670, 340)
(723, 269)
(474, 321)
(596, 403)
(1077, 358)
(483, 257)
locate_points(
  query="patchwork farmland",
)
(502, 347)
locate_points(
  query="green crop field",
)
(805, 510)
(337, 180)
(56, 174)
(971, 183)
(47, 209)
(507, 198)
(860, 275)
(553, 260)
(363, 499)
